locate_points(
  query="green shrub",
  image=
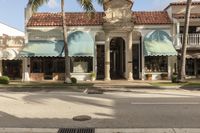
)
(93, 75)
(4, 80)
(73, 80)
(174, 78)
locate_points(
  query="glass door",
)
(100, 61)
(48, 69)
(198, 68)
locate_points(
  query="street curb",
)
(28, 130)
(105, 130)
(148, 130)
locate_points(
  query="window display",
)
(78, 65)
(81, 64)
(36, 65)
(156, 63)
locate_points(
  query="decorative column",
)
(26, 69)
(130, 57)
(95, 54)
(107, 57)
(178, 43)
(142, 59)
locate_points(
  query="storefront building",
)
(11, 43)
(177, 14)
(116, 44)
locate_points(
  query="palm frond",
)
(35, 4)
(86, 5)
(100, 2)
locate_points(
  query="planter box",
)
(37, 76)
(58, 76)
(148, 76)
(164, 76)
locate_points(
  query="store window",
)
(192, 29)
(40, 65)
(81, 64)
(59, 66)
(156, 64)
(190, 67)
(36, 66)
(78, 65)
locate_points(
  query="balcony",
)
(11, 41)
(193, 40)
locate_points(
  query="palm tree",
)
(182, 73)
(86, 5)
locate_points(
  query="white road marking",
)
(165, 103)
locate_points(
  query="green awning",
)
(43, 49)
(158, 43)
(80, 44)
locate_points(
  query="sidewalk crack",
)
(173, 130)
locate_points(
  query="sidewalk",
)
(101, 130)
(119, 85)
(114, 85)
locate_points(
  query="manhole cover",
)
(82, 118)
(90, 91)
(76, 130)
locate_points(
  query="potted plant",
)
(93, 76)
(149, 76)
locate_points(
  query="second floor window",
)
(192, 29)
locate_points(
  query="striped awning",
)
(79, 44)
(158, 43)
(43, 49)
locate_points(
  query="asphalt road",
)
(137, 109)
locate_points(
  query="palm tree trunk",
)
(182, 73)
(67, 58)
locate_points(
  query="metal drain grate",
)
(76, 130)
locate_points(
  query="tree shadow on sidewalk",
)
(107, 111)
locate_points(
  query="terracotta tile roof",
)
(82, 19)
(182, 16)
(72, 19)
(182, 4)
(157, 17)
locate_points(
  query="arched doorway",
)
(117, 58)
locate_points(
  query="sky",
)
(12, 11)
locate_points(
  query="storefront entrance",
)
(136, 69)
(117, 58)
(100, 61)
(12, 69)
(193, 68)
(198, 68)
(48, 69)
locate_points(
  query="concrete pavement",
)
(136, 109)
